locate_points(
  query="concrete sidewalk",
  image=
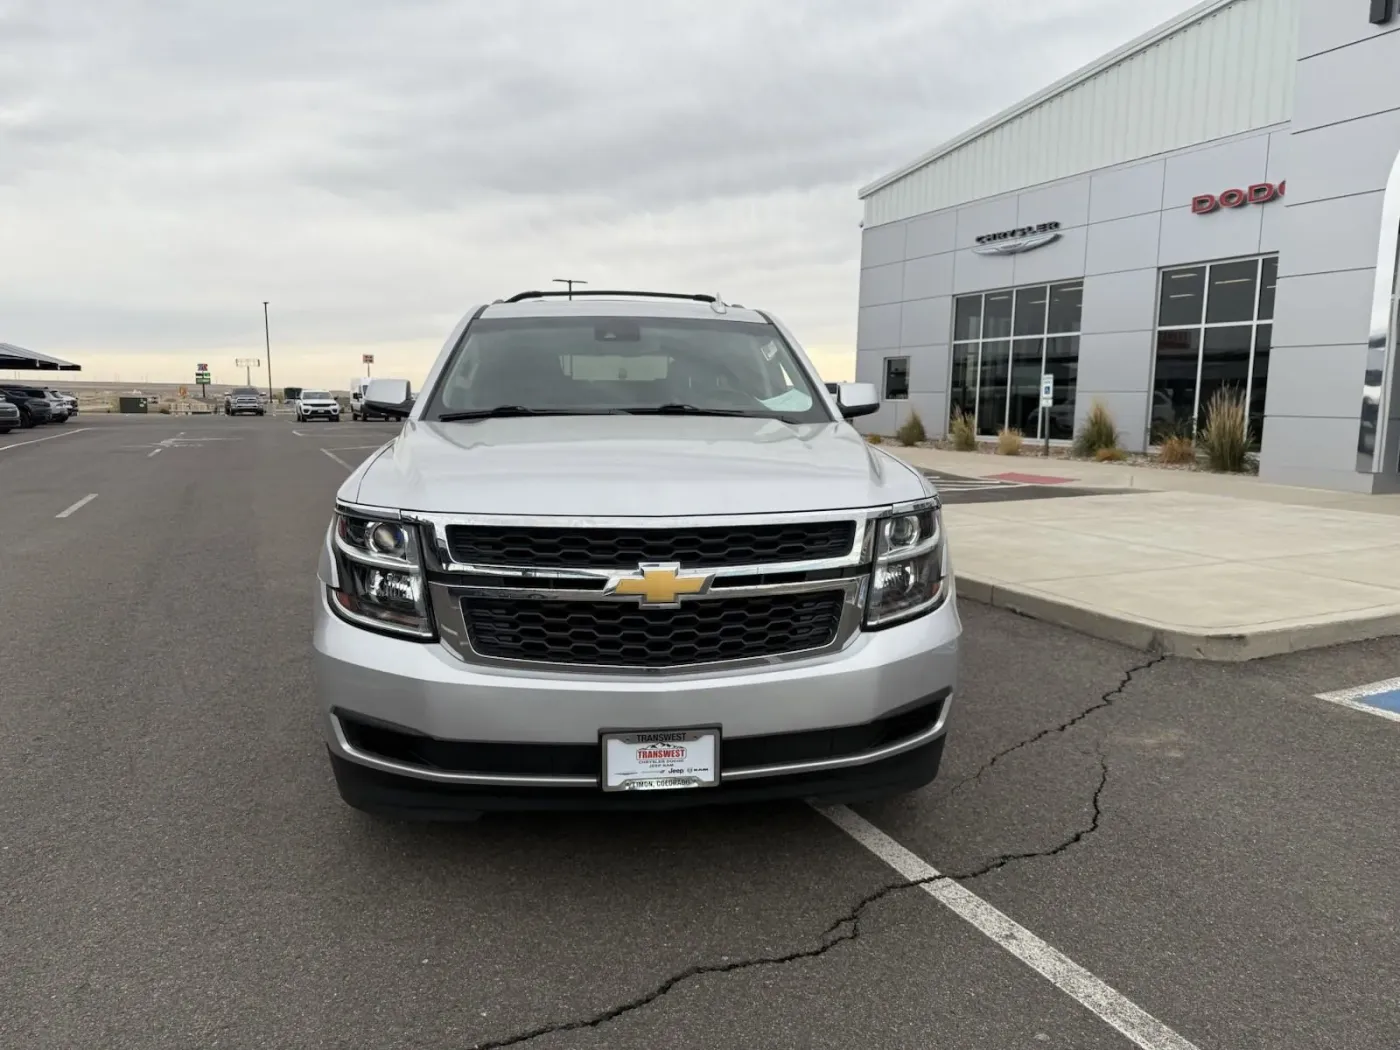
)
(1263, 570)
(1089, 474)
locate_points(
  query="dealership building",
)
(1214, 205)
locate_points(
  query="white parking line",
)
(155, 452)
(353, 448)
(1061, 971)
(77, 506)
(53, 437)
(1378, 698)
(333, 456)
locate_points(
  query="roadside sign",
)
(1047, 391)
(367, 359)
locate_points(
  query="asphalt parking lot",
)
(1120, 851)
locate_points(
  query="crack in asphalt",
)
(847, 928)
(1106, 700)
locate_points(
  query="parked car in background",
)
(317, 404)
(57, 410)
(67, 399)
(32, 410)
(243, 399)
(9, 417)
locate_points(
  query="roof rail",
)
(697, 297)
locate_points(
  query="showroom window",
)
(896, 378)
(1214, 329)
(1003, 342)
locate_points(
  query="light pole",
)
(570, 281)
(267, 343)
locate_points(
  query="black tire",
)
(26, 421)
(4, 430)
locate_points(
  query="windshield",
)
(315, 395)
(627, 364)
(244, 391)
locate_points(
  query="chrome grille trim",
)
(446, 595)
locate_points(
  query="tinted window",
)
(1232, 292)
(315, 395)
(967, 322)
(896, 378)
(609, 364)
(1183, 297)
(996, 320)
(1030, 311)
(1066, 307)
(1266, 288)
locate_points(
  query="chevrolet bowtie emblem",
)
(659, 584)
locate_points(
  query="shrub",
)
(1177, 450)
(874, 439)
(962, 432)
(1009, 441)
(1225, 434)
(1098, 433)
(1110, 455)
(911, 431)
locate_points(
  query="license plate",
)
(660, 760)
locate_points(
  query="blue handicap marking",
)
(1378, 698)
(1388, 700)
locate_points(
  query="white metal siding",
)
(1230, 72)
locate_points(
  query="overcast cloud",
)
(375, 167)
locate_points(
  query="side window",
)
(896, 378)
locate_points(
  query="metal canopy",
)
(12, 356)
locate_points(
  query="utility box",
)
(131, 405)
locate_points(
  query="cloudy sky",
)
(376, 167)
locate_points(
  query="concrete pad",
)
(1379, 566)
(1223, 597)
(1197, 575)
(1015, 552)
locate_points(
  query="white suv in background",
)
(317, 404)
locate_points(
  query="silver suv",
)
(626, 552)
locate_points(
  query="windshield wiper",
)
(676, 408)
(503, 411)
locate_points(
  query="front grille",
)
(620, 634)
(710, 546)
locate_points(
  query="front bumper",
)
(399, 718)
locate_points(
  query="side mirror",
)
(857, 399)
(389, 397)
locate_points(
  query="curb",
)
(1222, 647)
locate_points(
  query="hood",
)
(653, 466)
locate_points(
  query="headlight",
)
(380, 573)
(907, 579)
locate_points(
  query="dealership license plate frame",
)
(613, 745)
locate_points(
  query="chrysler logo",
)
(1016, 245)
